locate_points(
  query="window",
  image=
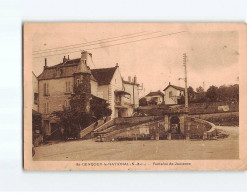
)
(58, 72)
(35, 98)
(65, 103)
(46, 89)
(78, 81)
(46, 108)
(170, 94)
(67, 86)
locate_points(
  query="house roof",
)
(175, 87)
(103, 75)
(67, 69)
(155, 93)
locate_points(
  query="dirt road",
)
(227, 148)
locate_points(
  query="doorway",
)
(175, 125)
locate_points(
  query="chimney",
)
(64, 59)
(169, 83)
(116, 65)
(135, 80)
(45, 63)
(68, 57)
(129, 79)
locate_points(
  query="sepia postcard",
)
(134, 96)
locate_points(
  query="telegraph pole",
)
(185, 81)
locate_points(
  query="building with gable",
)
(173, 94)
(157, 96)
(57, 84)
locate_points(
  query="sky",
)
(212, 52)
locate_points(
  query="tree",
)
(99, 108)
(143, 102)
(199, 89)
(201, 95)
(222, 93)
(84, 110)
(152, 101)
(191, 94)
(212, 93)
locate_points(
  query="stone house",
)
(58, 83)
(173, 94)
(157, 96)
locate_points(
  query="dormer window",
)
(58, 72)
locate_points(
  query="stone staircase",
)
(111, 133)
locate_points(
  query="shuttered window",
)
(46, 108)
(46, 89)
(67, 86)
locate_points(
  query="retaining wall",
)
(201, 128)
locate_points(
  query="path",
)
(143, 150)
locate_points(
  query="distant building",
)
(157, 96)
(57, 84)
(173, 94)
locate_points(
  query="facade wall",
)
(134, 93)
(94, 88)
(116, 84)
(171, 100)
(103, 92)
(35, 90)
(57, 94)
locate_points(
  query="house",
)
(173, 94)
(121, 95)
(157, 96)
(58, 83)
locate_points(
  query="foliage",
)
(152, 101)
(76, 118)
(99, 108)
(143, 102)
(213, 94)
(200, 89)
(72, 122)
(191, 94)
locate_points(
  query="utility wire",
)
(98, 42)
(88, 42)
(115, 44)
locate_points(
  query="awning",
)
(121, 92)
(121, 107)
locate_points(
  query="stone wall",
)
(135, 120)
(199, 128)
